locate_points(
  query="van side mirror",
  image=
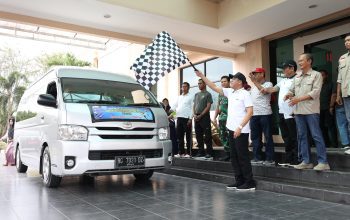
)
(47, 100)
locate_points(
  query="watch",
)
(240, 127)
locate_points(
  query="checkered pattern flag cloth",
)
(162, 56)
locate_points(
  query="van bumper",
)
(79, 150)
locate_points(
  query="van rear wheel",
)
(143, 176)
(21, 168)
(49, 179)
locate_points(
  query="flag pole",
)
(195, 69)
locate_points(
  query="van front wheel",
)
(143, 176)
(21, 168)
(49, 179)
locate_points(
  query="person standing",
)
(202, 123)
(343, 86)
(286, 119)
(327, 111)
(221, 111)
(240, 108)
(260, 123)
(304, 94)
(8, 137)
(340, 118)
(173, 138)
(183, 111)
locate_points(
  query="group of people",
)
(304, 116)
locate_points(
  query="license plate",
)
(129, 162)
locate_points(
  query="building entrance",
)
(326, 54)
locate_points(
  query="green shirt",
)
(201, 99)
(223, 105)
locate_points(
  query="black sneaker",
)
(246, 187)
(234, 186)
(225, 158)
(199, 155)
(208, 157)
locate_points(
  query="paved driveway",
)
(22, 196)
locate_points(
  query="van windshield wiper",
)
(96, 101)
(145, 104)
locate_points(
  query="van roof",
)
(90, 73)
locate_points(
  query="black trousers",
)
(181, 130)
(173, 139)
(240, 158)
(203, 127)
(327, 124)
(289, 136)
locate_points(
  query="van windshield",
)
(76, 90)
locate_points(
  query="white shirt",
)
(183, 106)
(284, 107)
(261, 102)
(238, 101)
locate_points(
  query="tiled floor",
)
(22, 196)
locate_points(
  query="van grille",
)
(122, 129)
(110, 155)
(126, 136)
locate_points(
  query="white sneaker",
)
(177, 155)
(347, 152)
(322, 167)
(345, 147)
(187, 156)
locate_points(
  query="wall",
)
(256, 55)
(234, 10)
(119, 57)
(194, 11)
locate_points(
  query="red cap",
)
(259, 70)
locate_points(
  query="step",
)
(336, 178)
(336, 157)
(322, 192)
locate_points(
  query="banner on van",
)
(120, 113)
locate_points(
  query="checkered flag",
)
(162, 56)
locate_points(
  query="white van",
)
(77, 121)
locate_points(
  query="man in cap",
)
(260, 123)
(240, 110)
(286, 118)
(304, 94)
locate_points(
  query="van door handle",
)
(42, 117)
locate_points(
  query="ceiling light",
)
(226, 41)
(312, 6)
(107, 16)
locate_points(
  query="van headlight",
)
(72, 133)
(163, 133)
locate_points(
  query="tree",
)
(14, 73)
(11, 91)
(61, 59)
(11, 60)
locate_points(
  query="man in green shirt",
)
(221, 111)
(201, 107)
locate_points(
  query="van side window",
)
(52, 89)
